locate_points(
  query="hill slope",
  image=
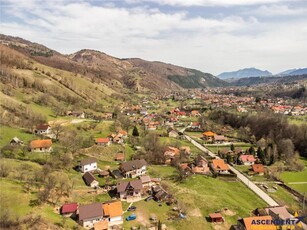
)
(134, 74)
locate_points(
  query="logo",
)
(278, 223)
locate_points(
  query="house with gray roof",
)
(133, 169)
(129, 189)
(90, 214)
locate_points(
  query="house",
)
(265, 222)
(186, 150)
(16, 141)
(76, 114)
(90, 214)
(219, 166)
(101, 225)
(129, 189)
(120, 156)
(195, 113)
(201, 165)
(216, 218)
(103, 141)
(219, 139)
(280, 213)
(123, 134)
(88, 164)
(159, 194)
(247, 159)
(113, 212)
(69, 209)
(146, 181)
(208, 136)
(133, 168)
(43, 129)
(171, 152)
(118, 139)
(258, 169)
(41, 146)
(195, 125)
(90, 180)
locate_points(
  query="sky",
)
(209, 35)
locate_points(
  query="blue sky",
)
(210, 35)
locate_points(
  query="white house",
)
(41, 146)
(133, 168)
(43, 129)
(90, 214)
(90, 180)
(88, 164)
(113, 212)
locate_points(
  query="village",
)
(136, 165)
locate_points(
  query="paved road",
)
(243, 178)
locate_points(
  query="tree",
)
(135, 132)
(58, 130)
(260, 154)
(251, 150)
(232, 147)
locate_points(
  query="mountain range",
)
(115, 73)
(253, 72)
(247, 72)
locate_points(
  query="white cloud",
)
(209, 44)
(208, 2)
(278, 10)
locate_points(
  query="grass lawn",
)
(16, 202)
(178, 142)
(290, 177)
(202, 195)
(7, 133)
(297, 120)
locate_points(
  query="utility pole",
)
(304, 203)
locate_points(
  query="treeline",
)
(274, 128)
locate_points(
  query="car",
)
(149, 198)
(131, 208)
(131, 217)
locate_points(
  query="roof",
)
(90, 211)
(281, 211)
(123, 132)
(132, 165)
(248, 223)
(124, 185)
(209, 134)
(42, 127)
(69, 208)
(112, 209)
(219, 164)
(247, 158)
(88, 178)
(258, 168)
(101, 225)
(219, 137)
(40, 144)
(88, 161)
(16, 140)
(145, 179)
(102, 140)
(215, 215)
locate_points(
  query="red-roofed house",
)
(69, 209)
(219, 166)
(258, 169)
(216, 217)
(41, 145)
(103, 141)
(247, 159)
